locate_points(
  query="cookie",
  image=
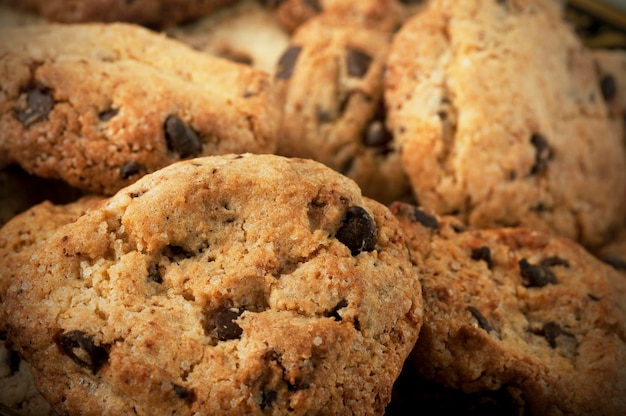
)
(159, 13)
(240, 284)
(382, 15)
(330, 80)
(247, 33)
(99, 105)
(496, 109)
(515, 311)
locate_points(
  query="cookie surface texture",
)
(101, 105)
(330, 79)
(243, 284)
(534, 317)
(497, 148)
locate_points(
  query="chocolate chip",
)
(536, 275)
(39, 103)
(14, 361)
(130, 169)
(543, 153)
(334, 313)
(482, 321)
(287, 62)
(608, 87)
(550, 332)
(358, 62)
(482, 253)
(358, 231)
(183, 393)
(79, 346)
(181, 138)
(377, 135)
(426, 219)
(554, 261)
(108, 114)
(614, 261)
(225, 324)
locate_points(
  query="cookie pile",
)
(310, 207)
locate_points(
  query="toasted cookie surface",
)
(497, 110)
(100, 105)
(249, 284)
(533, 316)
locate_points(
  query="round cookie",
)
(99, 105)
(247, 33)
(330, 79)
(534, 317)
(497, 111)
(153, 13)
(241, 284)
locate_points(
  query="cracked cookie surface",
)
(242, 284)
(101, 105)
(534, 318)
(497, 111)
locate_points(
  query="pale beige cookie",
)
(512, 310)
(250, 284)
(247, 33)
(330, 79)
(99, 105)
(497, 111)
(153, 13)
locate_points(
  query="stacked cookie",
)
(296, 207)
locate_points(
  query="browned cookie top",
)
(249, 284)
(500, 119)
(101, 105)
(535, 317)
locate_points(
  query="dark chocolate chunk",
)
(108, 114)
(287, 62)
(426, 219)
(181, 138)
(554, 261)
(482, 321)
(377, 135)
(130, 169)
(358, 231)
(543, 153)
(183, 393)
(79, 346)
(614, 261)
(39, 103)
(608, 87)
(358, 62)
(536, 275)
(550, 331)
(225, 324)
(482, 253)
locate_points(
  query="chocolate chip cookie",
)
(512, 310)
(239, 284)
(153, 13)
(497, 111)
(247, 33)
(330, 79)
(100, 105)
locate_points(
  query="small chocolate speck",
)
(358, 231)
(287, 62)
(225, 324)
(182, 392)
(426, 219)
(608, 87)
(536, 275)
(39, 103)
(357, 62)
(543, 153)
(482, 253)
(377, 135)
(107, 115)
(130, 169)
